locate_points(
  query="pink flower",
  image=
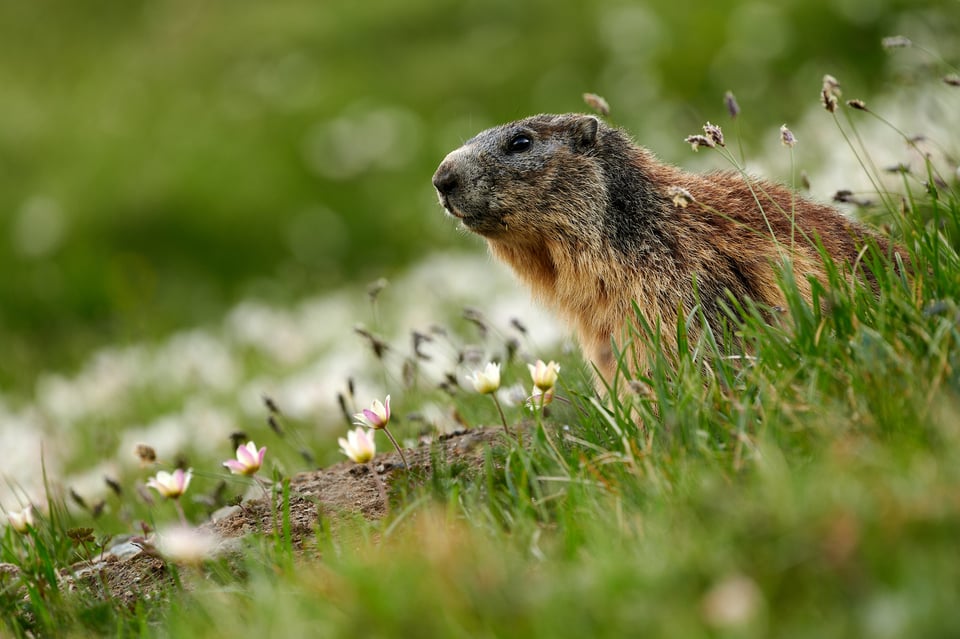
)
(376, 417)
(248, 461)
(359, 445)
(171, 485)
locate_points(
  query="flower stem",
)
(500, 410)
(546, 435)
(268, 495)
(183, 517)
(397, 446)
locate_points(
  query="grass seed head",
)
(786, 137)
(680, 196)
(146, 454)
(730, 101)
(114, 486)
(271, 404)
(696, 141)
(597, 103)
(713, 132)
(830, 93)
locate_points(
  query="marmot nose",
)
(445, 180)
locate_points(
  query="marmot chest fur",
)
(587, 219)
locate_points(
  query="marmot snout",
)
(584, 216)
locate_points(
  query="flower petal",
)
(244, 456)
(235, 467)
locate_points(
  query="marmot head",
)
(528, 180)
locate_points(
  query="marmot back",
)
(585, 217)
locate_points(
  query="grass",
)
(806, 487)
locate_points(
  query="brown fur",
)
(585, 218)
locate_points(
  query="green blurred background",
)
(160, 161)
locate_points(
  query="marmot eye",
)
(519, 144)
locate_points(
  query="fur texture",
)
(585, 217)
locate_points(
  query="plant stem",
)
(183, 517)
(503, 419)
(397, 446)
(543, 429)
(268, 495)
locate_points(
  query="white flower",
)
(359, 445)
(171, 485)
(544, 375)
(487, 380)
(21, 520)
(185, 544)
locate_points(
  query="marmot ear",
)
(585, 132)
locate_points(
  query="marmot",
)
(588, 220)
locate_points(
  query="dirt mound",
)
(133, 569)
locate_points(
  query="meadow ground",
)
(798, 479)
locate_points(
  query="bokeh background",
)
(162, 161)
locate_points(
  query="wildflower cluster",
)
(185, 543)
(359, 445)
(543, 375)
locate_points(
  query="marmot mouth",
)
(452, 211)
(449, 208)
(471, 222)
(476, 222)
